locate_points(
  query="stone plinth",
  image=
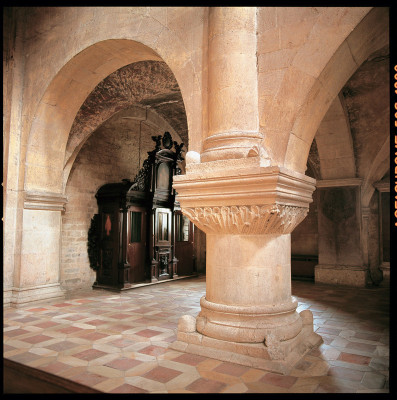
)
(341, 274)
(248, 315)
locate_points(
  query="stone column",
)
(38, 277)
(233, 122)
(248, 213)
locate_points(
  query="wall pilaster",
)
(38, 275)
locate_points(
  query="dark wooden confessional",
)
(139, 234)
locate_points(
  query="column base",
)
(36, 294)
(341, 275)
(254, 355)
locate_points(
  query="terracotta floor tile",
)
(203, 385)
(16, 332)
(148, 333)
(278, 380)
(126, 388)
(353, 326)
(62, 305)
(354, 358)
(190, 359)
(123, 364)
(231, 369)
(70, 329)
(93, 336)
(162, 374)
(90, 354)
(46, 324)
(55, 367)
(37, 339)
(153, 350)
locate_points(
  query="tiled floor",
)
(118, 343)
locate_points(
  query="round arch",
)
(369, 35)
(62, 100)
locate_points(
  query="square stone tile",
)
(148, 333)
(346, 373)
(25, 358)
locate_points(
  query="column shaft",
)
(232, 87)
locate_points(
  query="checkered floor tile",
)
(119, 343)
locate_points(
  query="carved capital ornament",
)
(265, 200)
(240, 220)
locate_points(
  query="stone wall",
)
(304, 238)
(110, 154)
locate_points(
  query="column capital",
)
(45, 201)
(251, 200)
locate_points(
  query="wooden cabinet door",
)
(136, 250)
(184, 244)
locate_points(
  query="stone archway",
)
(370, 35)
(61, 102)
(37, 277)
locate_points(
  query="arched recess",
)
(150, 85)
(61, 102)
(334, 143)
(371, 34)
(379, 167)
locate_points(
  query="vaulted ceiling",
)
(152, 84)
